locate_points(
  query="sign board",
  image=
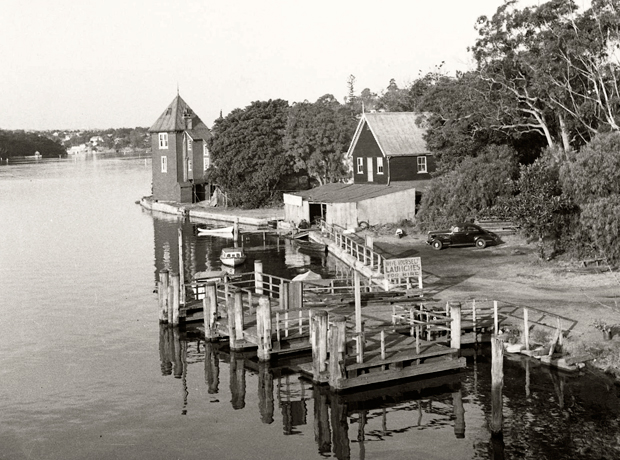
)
(410, 267)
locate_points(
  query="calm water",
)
(87, 372)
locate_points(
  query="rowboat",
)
(232, 256)
(225, 232)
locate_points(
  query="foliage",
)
(318, 136)
(539, 207)
(601, 219)
(592, 181)
(471, 189)
(552, 68)
(247, 151)
(20, 143)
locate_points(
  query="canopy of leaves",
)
(247, 151)
(470, 190)
(552, 69)
(595, 170)
(317, 137)
(601, 218)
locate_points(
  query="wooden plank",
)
(374, 359)
(410, 371)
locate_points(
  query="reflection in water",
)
(346, 425)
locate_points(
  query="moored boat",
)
(220, 231)
(232, 256)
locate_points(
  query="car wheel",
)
(481, 244)
(437, 245)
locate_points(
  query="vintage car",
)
(462, 234)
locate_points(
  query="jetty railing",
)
(358, 249)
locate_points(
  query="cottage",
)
(391, 166)
(180, 155)
(389, 147)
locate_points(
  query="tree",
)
(552, 69)
(591, 179)
(471, 189)
(318, 136)
(248, 155)
(539, 207)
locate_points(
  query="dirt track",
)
(511, 272)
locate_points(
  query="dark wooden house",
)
(180, 155)
(389, 147)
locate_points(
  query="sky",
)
(98, 64)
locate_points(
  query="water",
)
(87, 372)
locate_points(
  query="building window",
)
(206, 158)
(163, 140)
(360, 165)
(190, 144)
(164, 164)
(380, 165)
(189, 165)
(422, 164)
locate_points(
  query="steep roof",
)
(346, 193)
(175, 118)
(396, 133)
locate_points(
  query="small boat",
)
(310, 277)
(311, 248)
(226, 232)
(232, 256)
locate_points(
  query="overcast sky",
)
(71, 64)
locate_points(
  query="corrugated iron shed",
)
(347, 193)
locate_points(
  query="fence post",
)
(258, 277)
(337, 354)
(455, 325)
(263, 328)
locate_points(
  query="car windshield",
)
(455, 229)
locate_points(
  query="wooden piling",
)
(212, 368)
(263, 328)
(258, 277)
(358, 302)
(459, 415)
(238, 306)
(455, 325)
(237, 381)
(181, 268)
(265, 393)
(495, 318)
(296, 295)
(337, 351)
(173, 296)
(236, 230)
(497, 383)
(319, 344)
(163, 296)
(526, 329)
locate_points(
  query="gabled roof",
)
(347, 193)
(174, 119)
(396, 133)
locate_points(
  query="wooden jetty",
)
(397, 334)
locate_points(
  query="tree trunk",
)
(565, 134)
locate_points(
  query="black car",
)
(462, 234)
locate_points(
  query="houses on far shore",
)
(391, 167)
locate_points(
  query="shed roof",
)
(174, 119)
(396, 133)
(346, 193)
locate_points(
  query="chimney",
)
(187, 116)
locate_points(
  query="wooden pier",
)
(358, 332)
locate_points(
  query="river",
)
(87, 372)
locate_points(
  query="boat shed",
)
(348, 205)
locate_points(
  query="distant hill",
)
(22, 143)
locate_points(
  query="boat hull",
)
(232, 261)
